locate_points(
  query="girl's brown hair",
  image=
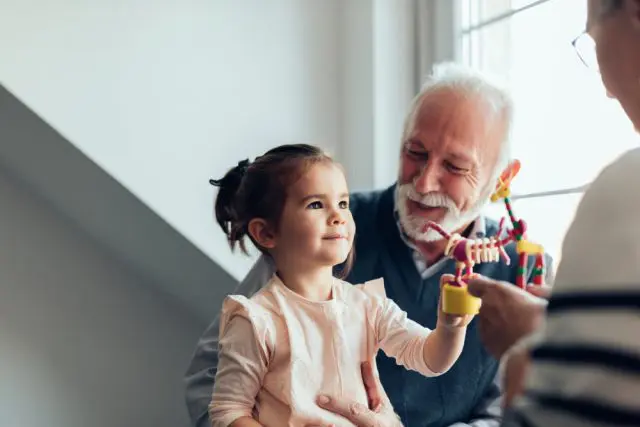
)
(259, 190)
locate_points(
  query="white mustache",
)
(433, 200)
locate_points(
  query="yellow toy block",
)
(500, 193)
(524, 246)
(457, 300)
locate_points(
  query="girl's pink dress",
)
(278, 351)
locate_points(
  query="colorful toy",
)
(457, 300)
(524, 247)
(468, 252)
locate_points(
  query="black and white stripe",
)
(586, 369)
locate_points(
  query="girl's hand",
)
(451, 321)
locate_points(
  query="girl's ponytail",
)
(228, 210)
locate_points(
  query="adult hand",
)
(515, 373)
(507, 314)
(541, 291)
(379, 413)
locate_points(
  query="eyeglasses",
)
(585, 47)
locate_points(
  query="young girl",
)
(306, 332)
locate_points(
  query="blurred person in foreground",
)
(582, 366)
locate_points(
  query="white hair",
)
(479, 86)
(469, 82)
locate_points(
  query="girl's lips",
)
(335, 237)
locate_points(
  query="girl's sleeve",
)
(397, 335)
(243, 362)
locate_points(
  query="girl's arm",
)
(444, 345)
(415, 347)
(242, 366)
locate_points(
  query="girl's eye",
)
(344, 204)
(315, 205)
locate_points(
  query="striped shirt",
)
(585, 368)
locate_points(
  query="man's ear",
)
(261, 232)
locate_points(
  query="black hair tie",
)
(240, 170)
(243, 165)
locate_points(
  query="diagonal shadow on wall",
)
(36, 154)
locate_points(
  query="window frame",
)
(468, 28)
(462, 31)
(495, 19)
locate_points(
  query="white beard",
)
(452, 221)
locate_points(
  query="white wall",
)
(84, 342)
(165, 96)
(378, 81)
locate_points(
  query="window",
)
(565, 128)
(547, 218)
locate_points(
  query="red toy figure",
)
(468, 252)
(518, 234)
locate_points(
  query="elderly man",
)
(454, 146)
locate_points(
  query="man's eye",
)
(418, 154)
(456, 169)
(344, 204)
(315, 205)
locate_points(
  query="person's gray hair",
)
(470, 82)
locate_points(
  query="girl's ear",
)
(260, 231)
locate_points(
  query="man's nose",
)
(428, 180)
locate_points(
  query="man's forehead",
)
(453, 117)
(450, 109)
